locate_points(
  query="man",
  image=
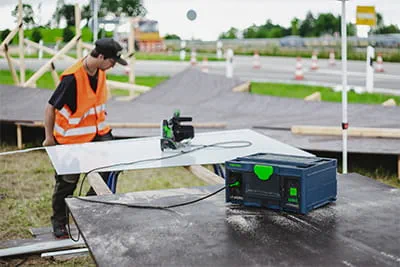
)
(76, 114)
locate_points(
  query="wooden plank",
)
(40, 247)
(11, 66)
(78, 31)
(10, 36)
(19, 136)
(135, 88)
(140, 125)
(352, 131)
(205, 174)
(244, 87)
(131, 51)
(21, 43)
(316, 96)
(47, 49)
(398, 167)
(46, 66)
(99, 186)
(157, 125)
(13, 60)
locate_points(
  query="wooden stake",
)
(78, 31)
(98, 184)
(19, 136)
(205, 174)
(54, 74)
(11, 66)
(21, 44)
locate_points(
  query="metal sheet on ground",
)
(40, 247)
(361, 229)
(83, 158)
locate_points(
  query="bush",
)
(36, 35)
(4, 34)
(68, 34)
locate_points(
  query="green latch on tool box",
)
(263, 172)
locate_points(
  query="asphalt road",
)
(280, 69)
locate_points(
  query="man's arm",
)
(49, 118)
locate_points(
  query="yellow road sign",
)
(366, 15)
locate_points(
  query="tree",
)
(295, 26)
(4, 34)
(306, 28)
(131, 8)
(58, 15)
(36, 35)
(230, 34)
(68, 34)
(27, 14)
(250, 32)
(67, 12)
(86, 13)
(387, 29)
(381, 28)
(326, 23)
(172, 37)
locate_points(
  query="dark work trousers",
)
(66, 185)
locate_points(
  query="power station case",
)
(282, 182)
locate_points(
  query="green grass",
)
(27, 186)
(46, 81)
(327, 94)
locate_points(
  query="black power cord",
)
(151, 207)
(225, 145)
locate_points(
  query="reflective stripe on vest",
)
(91, 111)
(75, 131)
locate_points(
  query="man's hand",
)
(49, 142)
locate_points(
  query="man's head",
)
(108, 50)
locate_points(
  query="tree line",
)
(311, 26)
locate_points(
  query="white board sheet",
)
(82, 158)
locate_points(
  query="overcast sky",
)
(216, 16)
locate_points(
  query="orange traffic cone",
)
(204, 65)
(256, 61)
(332, 61)
(314, 61)
(379, 63)
(299, 75)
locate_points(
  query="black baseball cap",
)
(110, 49)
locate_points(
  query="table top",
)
(362, 228)
(142, 153)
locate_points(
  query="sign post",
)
(345, 124)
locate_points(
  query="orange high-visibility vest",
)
(89, 117)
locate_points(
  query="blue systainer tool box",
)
(281, 182)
